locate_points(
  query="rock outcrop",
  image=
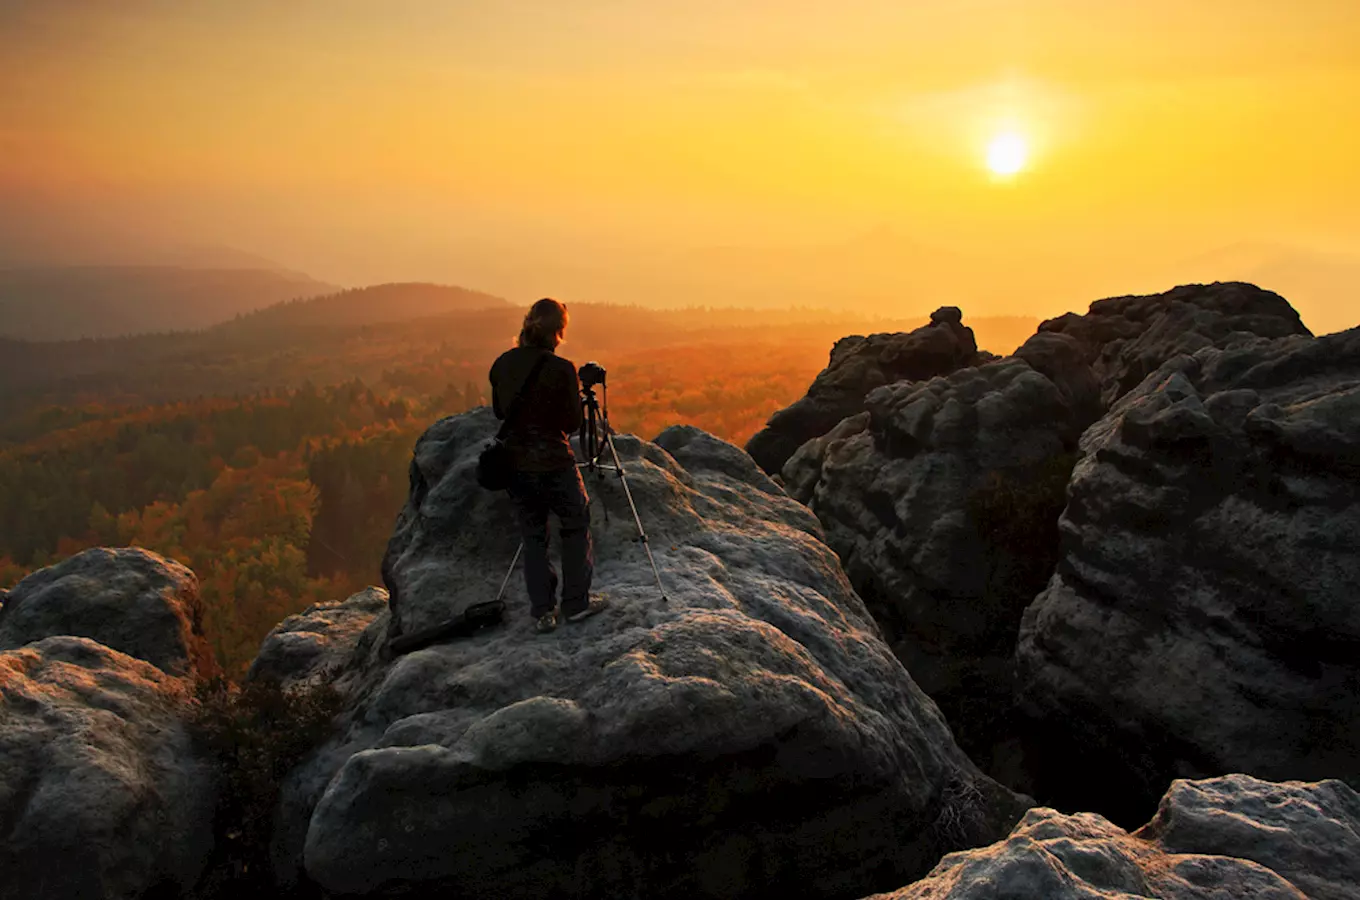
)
(101, 794)
(1204, 617)
(858, 365)
(942, 497)
(318, 642)
(752, 736)
(1210, 840)
(942, 501)
(127, 599)
(1126, 338)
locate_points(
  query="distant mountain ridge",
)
(361, 333)
(73, 302)
(374, 305)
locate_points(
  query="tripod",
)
(597, 437)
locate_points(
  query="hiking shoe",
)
(546, 622)
(595, 605)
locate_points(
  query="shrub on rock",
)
(254, 735)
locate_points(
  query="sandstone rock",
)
(942, 502)
(100, 793)
(752, 736)
(858, 365)
(128, 599)
(1126, 338)
(803, 472)
(318, 641)
(1204, 616)
(1062, 360)
(1307, 833)
(1211, 840)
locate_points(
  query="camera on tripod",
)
(594, 419)
(591, 374)
(597, 439)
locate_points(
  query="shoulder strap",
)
(513, 408)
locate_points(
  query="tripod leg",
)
(642, 535)
(510, 571)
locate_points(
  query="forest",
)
(270, 454)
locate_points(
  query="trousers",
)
(562, 493)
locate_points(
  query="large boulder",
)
(316, 644)
(942, 500)
(858, 365)
(1210, 840)
(1126, 338)
(101, 794)
(1204, 617)
(129, 599)
(942, 497)
(750, 736)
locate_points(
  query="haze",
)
(746, 152)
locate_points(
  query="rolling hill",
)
(373, 305)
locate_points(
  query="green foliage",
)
(256, 735)
(361, 485)
(50, 486)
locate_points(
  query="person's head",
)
(544, 325)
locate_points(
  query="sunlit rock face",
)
(316, 644)
(1204, 618)
(858, 365)
(1210, 840)
(941, 500)
(1127, 338)
(101, 794)
(128, 599)
(751, 736)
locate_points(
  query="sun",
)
(1007, 154)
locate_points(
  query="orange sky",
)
(745, 151)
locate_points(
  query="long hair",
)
(544, 325)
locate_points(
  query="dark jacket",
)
(549, 413)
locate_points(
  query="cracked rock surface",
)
(753, 734)
(1203, 618)
(101, 792)
(1220, 839)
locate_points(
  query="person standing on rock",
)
(546, 478)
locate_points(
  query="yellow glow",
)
(1007, 154)
(778, 152)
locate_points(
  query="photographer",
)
(546, 478)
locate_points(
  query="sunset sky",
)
(706, 151)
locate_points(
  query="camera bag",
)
(495, 467)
